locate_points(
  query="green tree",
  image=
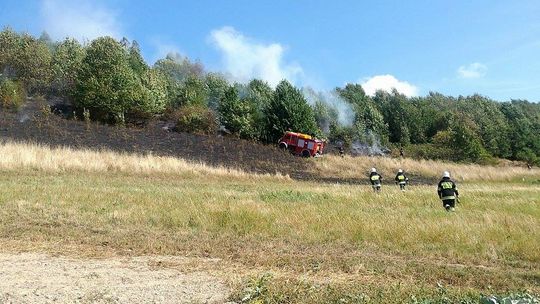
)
(393, 108)
(193, 91)
(237, 114)
(9, 47)
(66, 64)
(492, 125)
(466, 142)
(154, 97)
(34, 64)
(217, 86)
(177, 70)
(521, 135)
(368, 118)
(259, 94)
(137, 63)
(25, 59)
(288, 110)
(106, 85)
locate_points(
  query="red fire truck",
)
(301, 144)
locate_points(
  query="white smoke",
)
(371, 146)
(83, 20)
(334, 101)
(246, 59)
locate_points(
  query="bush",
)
(431, 151)
(12, 94)
(195, 119)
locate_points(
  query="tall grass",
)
(359, 167)
(305, 232)
(62, 159)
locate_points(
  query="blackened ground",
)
(35, 124)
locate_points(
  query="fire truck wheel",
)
(306, 153)
(283, 146)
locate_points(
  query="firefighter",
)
(401, 180)
(375, 179)
(447, 192)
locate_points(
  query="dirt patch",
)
(40, 278)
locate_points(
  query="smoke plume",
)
(345, 113)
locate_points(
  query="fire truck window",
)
(300, 142)
(310, 145)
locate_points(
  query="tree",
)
(25, 59)
(136, 61)
(492, 125)
(66, 65)
(521, 135)
(288, 110)
(154, 98)
(259, 94)
(368, 118)
(193, 91)
(466, 142)
(9, 46)
(178, 70)
(325, 116)
(395, 116)
(237, 114)
(217, 86)
(106, 85)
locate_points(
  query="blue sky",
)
(454, 47)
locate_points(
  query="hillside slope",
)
(32, 124)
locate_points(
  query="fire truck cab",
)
(301, 144)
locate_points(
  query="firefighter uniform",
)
(447, 192)
(401, 180)
(375, 179)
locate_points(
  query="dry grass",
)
(344, 237)
(16, 156)
(359, 167)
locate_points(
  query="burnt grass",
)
(35, 123)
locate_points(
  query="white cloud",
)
(84, 20)
(387, 83)
(245, 59)
(473, 70)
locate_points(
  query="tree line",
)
(107, 80)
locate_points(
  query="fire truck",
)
(301, 144)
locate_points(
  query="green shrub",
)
(12, 94)
(195, 119)
(431, 151)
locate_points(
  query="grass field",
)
(281, 240)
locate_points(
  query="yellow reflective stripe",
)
(375, 177)
(446, 185)
(448, 197)
(401, 177)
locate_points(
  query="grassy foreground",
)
(279, 240)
